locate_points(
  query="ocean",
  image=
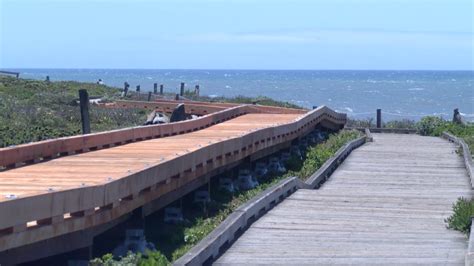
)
(400, 94)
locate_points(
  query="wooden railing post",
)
(155, 88)
(149, 96)
(125, 88)
(196, 90)
(379, 118)
(181, 92)
(84, 104)
(161, 89)
(138, 92)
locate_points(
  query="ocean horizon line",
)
(241, 69)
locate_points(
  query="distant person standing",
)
(457, 118)
(100, 82)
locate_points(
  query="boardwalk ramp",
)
(386, 204)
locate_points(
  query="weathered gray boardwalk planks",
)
(386, 204)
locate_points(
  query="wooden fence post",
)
(84, 104)
(125, 88)
(161, 89)
(149, 96)
(138, 92)
(181, 93)
(196, 90)
(155, 88)
(379, 118)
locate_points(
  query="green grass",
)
(173, 241)
(435, 126)
(33, 110)
(460, 220)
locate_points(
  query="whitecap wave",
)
(416, 89)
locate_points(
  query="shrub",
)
(460, 220)
(150, 258)
(430, 126)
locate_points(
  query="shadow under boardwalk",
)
(386, 204)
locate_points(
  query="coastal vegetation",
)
(173, 241)
(427, 126)
(435, 126)
(461, 219)
(32, 110)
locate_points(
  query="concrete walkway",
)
(386, 204)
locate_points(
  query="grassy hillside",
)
(33, 110)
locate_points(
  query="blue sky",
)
(245, 34)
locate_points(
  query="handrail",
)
(27, 153)
(368, 134)
(197, 107)
(17, 74)
(469, 258)
(325, 171)
(386, 130)
(211, 246)
(110, 192)
(168, 106)
(466, 154)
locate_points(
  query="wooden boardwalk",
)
(93, 168)
(386, 204)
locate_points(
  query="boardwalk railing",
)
(325, 171)
(4, 72)
(465, 152)
(194, 107)
(386, 130)
(47, 149)
(60, 212)
(237, 222)
(214, 244)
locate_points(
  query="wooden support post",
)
(181, 92)
(196, 90)
(149, 96)
(155, 88)
(379, 118)
(161, 89)
(138, 88)
(84, 104)
(47, 78)
(177, 97)
(125, 88)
